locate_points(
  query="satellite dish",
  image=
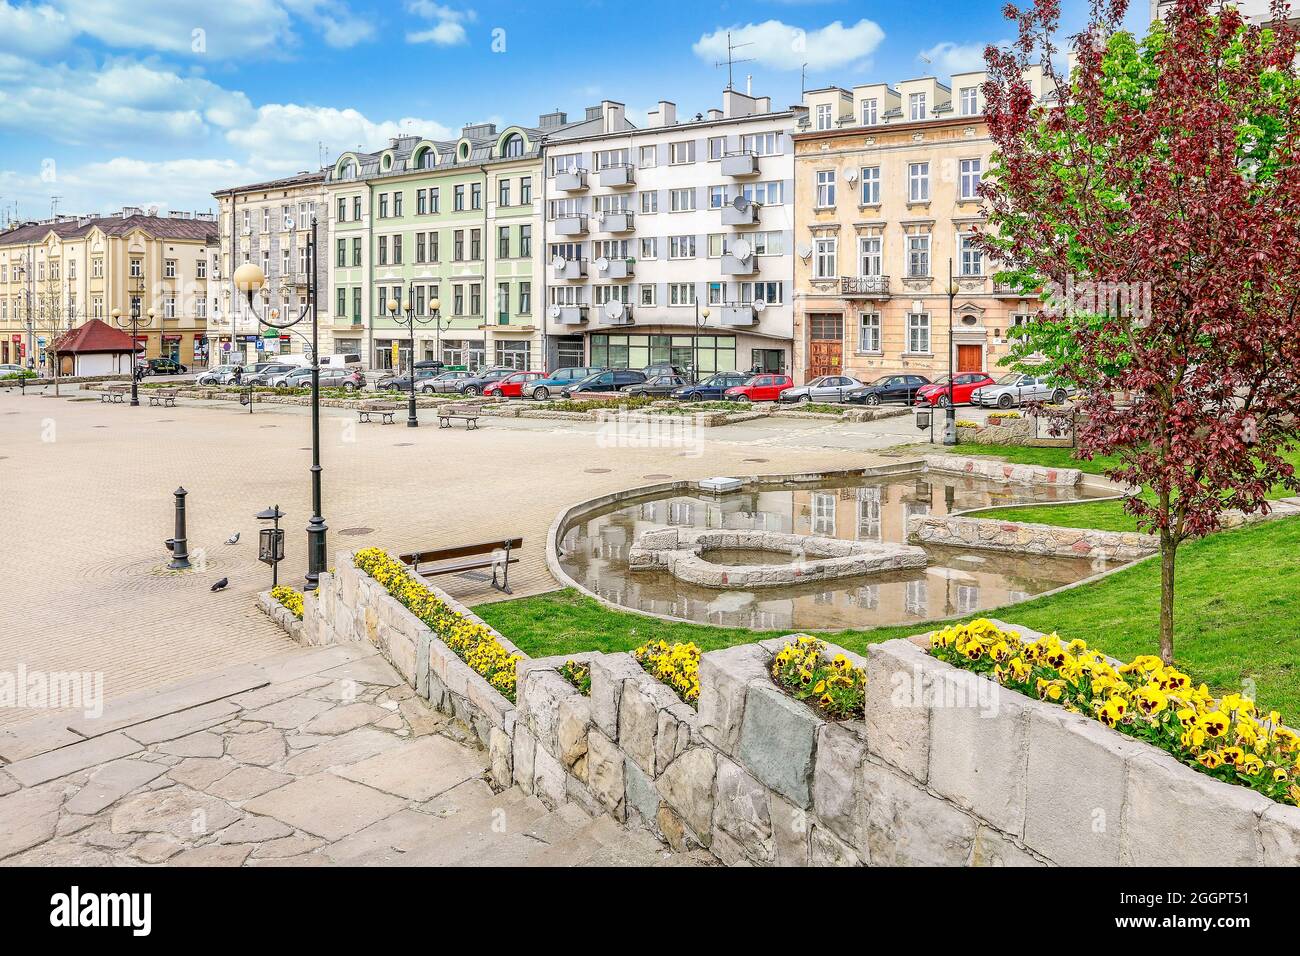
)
(759, 305)
(288, 223)
(614, 309)
(602, 264)
(600, 217)
(555, 311)
(558, 262)
(805, 251)
(851, 176)
(740, 203)
(741, 249)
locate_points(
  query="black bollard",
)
(180, 549)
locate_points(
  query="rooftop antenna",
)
(321, 153)
(54, 206)
(803, 79)
(928, 61)
(731, 60)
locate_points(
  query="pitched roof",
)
(159, 227)
(95, 336)
(298, 179)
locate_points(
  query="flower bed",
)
(835, 687)
(592, 404)
(1146, 699)
(578, 673)
(289, 598)
(677, 665)
(473, 643)
(996, 417)
(816, 408)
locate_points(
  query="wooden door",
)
(970, 358)
(825, 344)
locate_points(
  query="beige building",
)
(269, 224)
(57, 274)
(886, 183)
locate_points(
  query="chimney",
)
(736, 104)
(612, 116)
(665, 115)
(715, 114)
(553, 120)
(749, 84)
(763, 104)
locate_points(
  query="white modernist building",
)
(674, 243)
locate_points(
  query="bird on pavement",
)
(233, 539)
(220, 584)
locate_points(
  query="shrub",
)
(962, 423)
(835, 687)
(677, 665)
(625, 402)
(289, 598)
(998, 416)
(1145, 698)
(820, 408)
(578, 674)
(473, 643)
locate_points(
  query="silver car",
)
(824, 388)
(221, 375)
(1016, 388)
(442, 382)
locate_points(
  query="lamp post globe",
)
(249, 278)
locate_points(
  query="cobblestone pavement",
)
(86, 491)
(313, 757)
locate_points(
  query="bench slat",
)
(463, 551)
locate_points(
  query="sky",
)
(105, 103)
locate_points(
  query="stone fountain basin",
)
(680, 552)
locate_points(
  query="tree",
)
(1157, 204)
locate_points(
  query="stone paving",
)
(86, 488)
(312, 757)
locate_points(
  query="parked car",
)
(759, 388)
(653, 371)
(712, 388)
(267, 374)
(557, 380)
(824, 388)
(11, 370)
(512, 386)
(1016, 388)
(480, 380)
(889, 388)
(431, 363)
(348, 360)
(164, 366)
(658, 386)
(963, 383)
(402, 383)
(218, 375)
(442, 381)
(333, 377)
(610, 380)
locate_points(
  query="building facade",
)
(673, 243)
(269, 224)
(57, 274)
(886, 182)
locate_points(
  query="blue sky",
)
(112, 102)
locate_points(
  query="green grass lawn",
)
(1237, 616)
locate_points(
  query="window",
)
(870, 112)
(397, 204)
(356, 208)
(972, 259)
(970, 178)
(681, 247)
(765, 194)
(682, 200)
(475, 299)
(266, 218)
(869, 332)
(916, 105)
(681, 293)
(767, 243)
(825, 118)
(525, 298)
(648, 157)
(284, 261)
(918, 333)
(525, 190)
(649, 247)
(476, 244)
(169, 307)
(169, 268)
(607, 158)
(647, 294)
(717, 197)
(970, 100)
(458, 246)
(681, 153)
(476, 196)
(433, 201)
(918, 182)
(825, 188)
(420, 247)
(383, 250)
(870, 185)
(525, 241)
(503, 302)
(137, 268)
(503, 242)
(824, 258)
(918, 256)
(649, 202)
(717, 146)
(201, 269)
(503, 192)
(458, 202)
(769, 292)
(564, 164)
(356, 252)
(761, 144)
(513, 147)
(869, 256)
(356, 304)
(343, 211)
(383, 205)
(397, 250)
(341, 254)
(433, 247)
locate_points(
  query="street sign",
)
(396, 356)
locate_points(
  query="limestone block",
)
(724, 677)
(778, 739)
(995, 849)
(826, 849)
(1280, 833)
(608, 671)
(790, 832)
(571, 734)
(906, 826)
(686, 785)
(638, 720)
(539, 705)
(897, 716)
(500, 753)
(674, 730)
(523, 749)
(605, 773)
(741, 813)
(642, 797)
(548, 778)
(837, 791)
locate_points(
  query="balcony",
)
(615, 176)
(571, 225)
(571, 180)
(868, 286)
(569, 268)
(569, 314)
(1006, 290)
(739, 164)
(614, 312)
(733, 265)
(619, 221)
(737, 314)
(616, 268)
(746, 214)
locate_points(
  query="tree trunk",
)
(1168, 552)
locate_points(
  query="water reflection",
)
(957, 581)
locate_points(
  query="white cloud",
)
(785, 47)
(947, 58)
(33, 28)
(287, 135)
(338, 25)
(105, 187)
(449, 24)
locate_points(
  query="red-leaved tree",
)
(1162, 182)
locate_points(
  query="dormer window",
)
(916, 105)
(824, 116)
(870, 114)
(348, 170)
(513, 147)
(970, 100)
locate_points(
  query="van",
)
(292, 358)
(343, 360)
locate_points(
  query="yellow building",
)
(885, 200)
(56, 274)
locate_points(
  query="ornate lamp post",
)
(250, 280)
(950, 418)
(394, 307)
(134, 323)
(701, 316)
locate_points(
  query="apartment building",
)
(673, 243)
(57, 274)
(886, 181)
(269, 224)
(457, 222)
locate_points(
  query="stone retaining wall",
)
(281, 615)
(990, 534)
(995, 470)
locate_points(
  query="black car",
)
(402, 383)
(712, 388)
(165, 366)
(888, 388)
(653, 371)
(266, 372)
(611, 380)
(659, 386)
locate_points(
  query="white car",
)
(220, 375)
(1016, 388)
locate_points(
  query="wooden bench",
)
(466, 413)
(163, 396)
(491, 554)
(385, 411)
(114, 393)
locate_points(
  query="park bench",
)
(163, 396)
(466, 413)
(114, 393)
(385, 411)
(468, 557)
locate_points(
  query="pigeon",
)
(233, 539)
(221, 584)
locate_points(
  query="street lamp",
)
(249, 279)
(134, 323)
(410, 322)
(700, 314)
(950, 419)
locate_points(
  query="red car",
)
(512, 386)
(760, 388)
(963, 384)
